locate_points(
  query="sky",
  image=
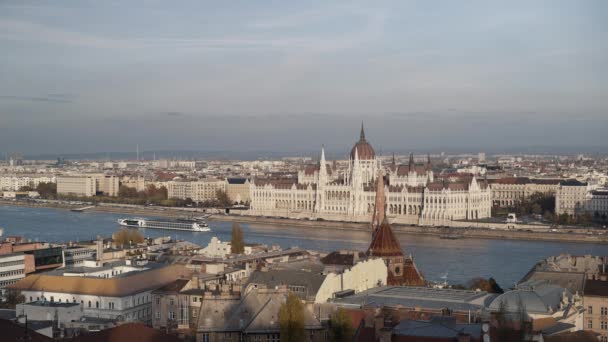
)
(101, 76)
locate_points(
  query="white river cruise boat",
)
(195, 224)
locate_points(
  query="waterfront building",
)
(597, 203)
(238, 190)
(510, 191)
(570, 197)
(414, 195)
(199, 191)
(84, 186)
(575, 198)
(136, 182)
(117, 291)
(106, 184)
(16, 182)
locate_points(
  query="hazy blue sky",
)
(92, 76)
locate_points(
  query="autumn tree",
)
(127, 192)
(341, 326)
(12, 297)
(237, 243)
(47, 190)
(488, 285)
(127, 236)
(222, 198)
(291, 319)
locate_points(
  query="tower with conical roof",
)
(401, 269)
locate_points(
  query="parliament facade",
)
(414, 195)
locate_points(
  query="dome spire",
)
(362, 135)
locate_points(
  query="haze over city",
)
(90, 76)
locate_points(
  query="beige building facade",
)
(198, 191)
(76, 186)
(238, 190)
(595, 303)
(571, 197)
(508, 192)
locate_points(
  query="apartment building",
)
(238, 190)
(199, 191)
(110, 291)
(595, 303)
(106, 184)
(76, 186)
(507, 192)
(570, 197)
(74, 256)
(14, 267)
(14, 183)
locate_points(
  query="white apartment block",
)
(76, 185)
(198, 191)
(574, 197)
(14, 183)
(110, 292)
(74, 256)
(12, 269)
(597, 202)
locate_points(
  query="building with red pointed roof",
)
(384, 244)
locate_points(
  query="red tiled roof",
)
(384, 243)
(365, 151)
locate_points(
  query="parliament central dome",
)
(364, 150)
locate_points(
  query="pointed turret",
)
(428, 162)
(322, 167)
(411, 164)
(362, 134)
(322, 159)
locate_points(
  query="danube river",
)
(461, 260)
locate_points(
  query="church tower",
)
(384, 244)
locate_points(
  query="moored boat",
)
(195, 224)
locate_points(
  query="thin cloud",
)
(50, 98)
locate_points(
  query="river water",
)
(505, 260)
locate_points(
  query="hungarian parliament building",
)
(414, 195)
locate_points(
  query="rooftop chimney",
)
(99, 249)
